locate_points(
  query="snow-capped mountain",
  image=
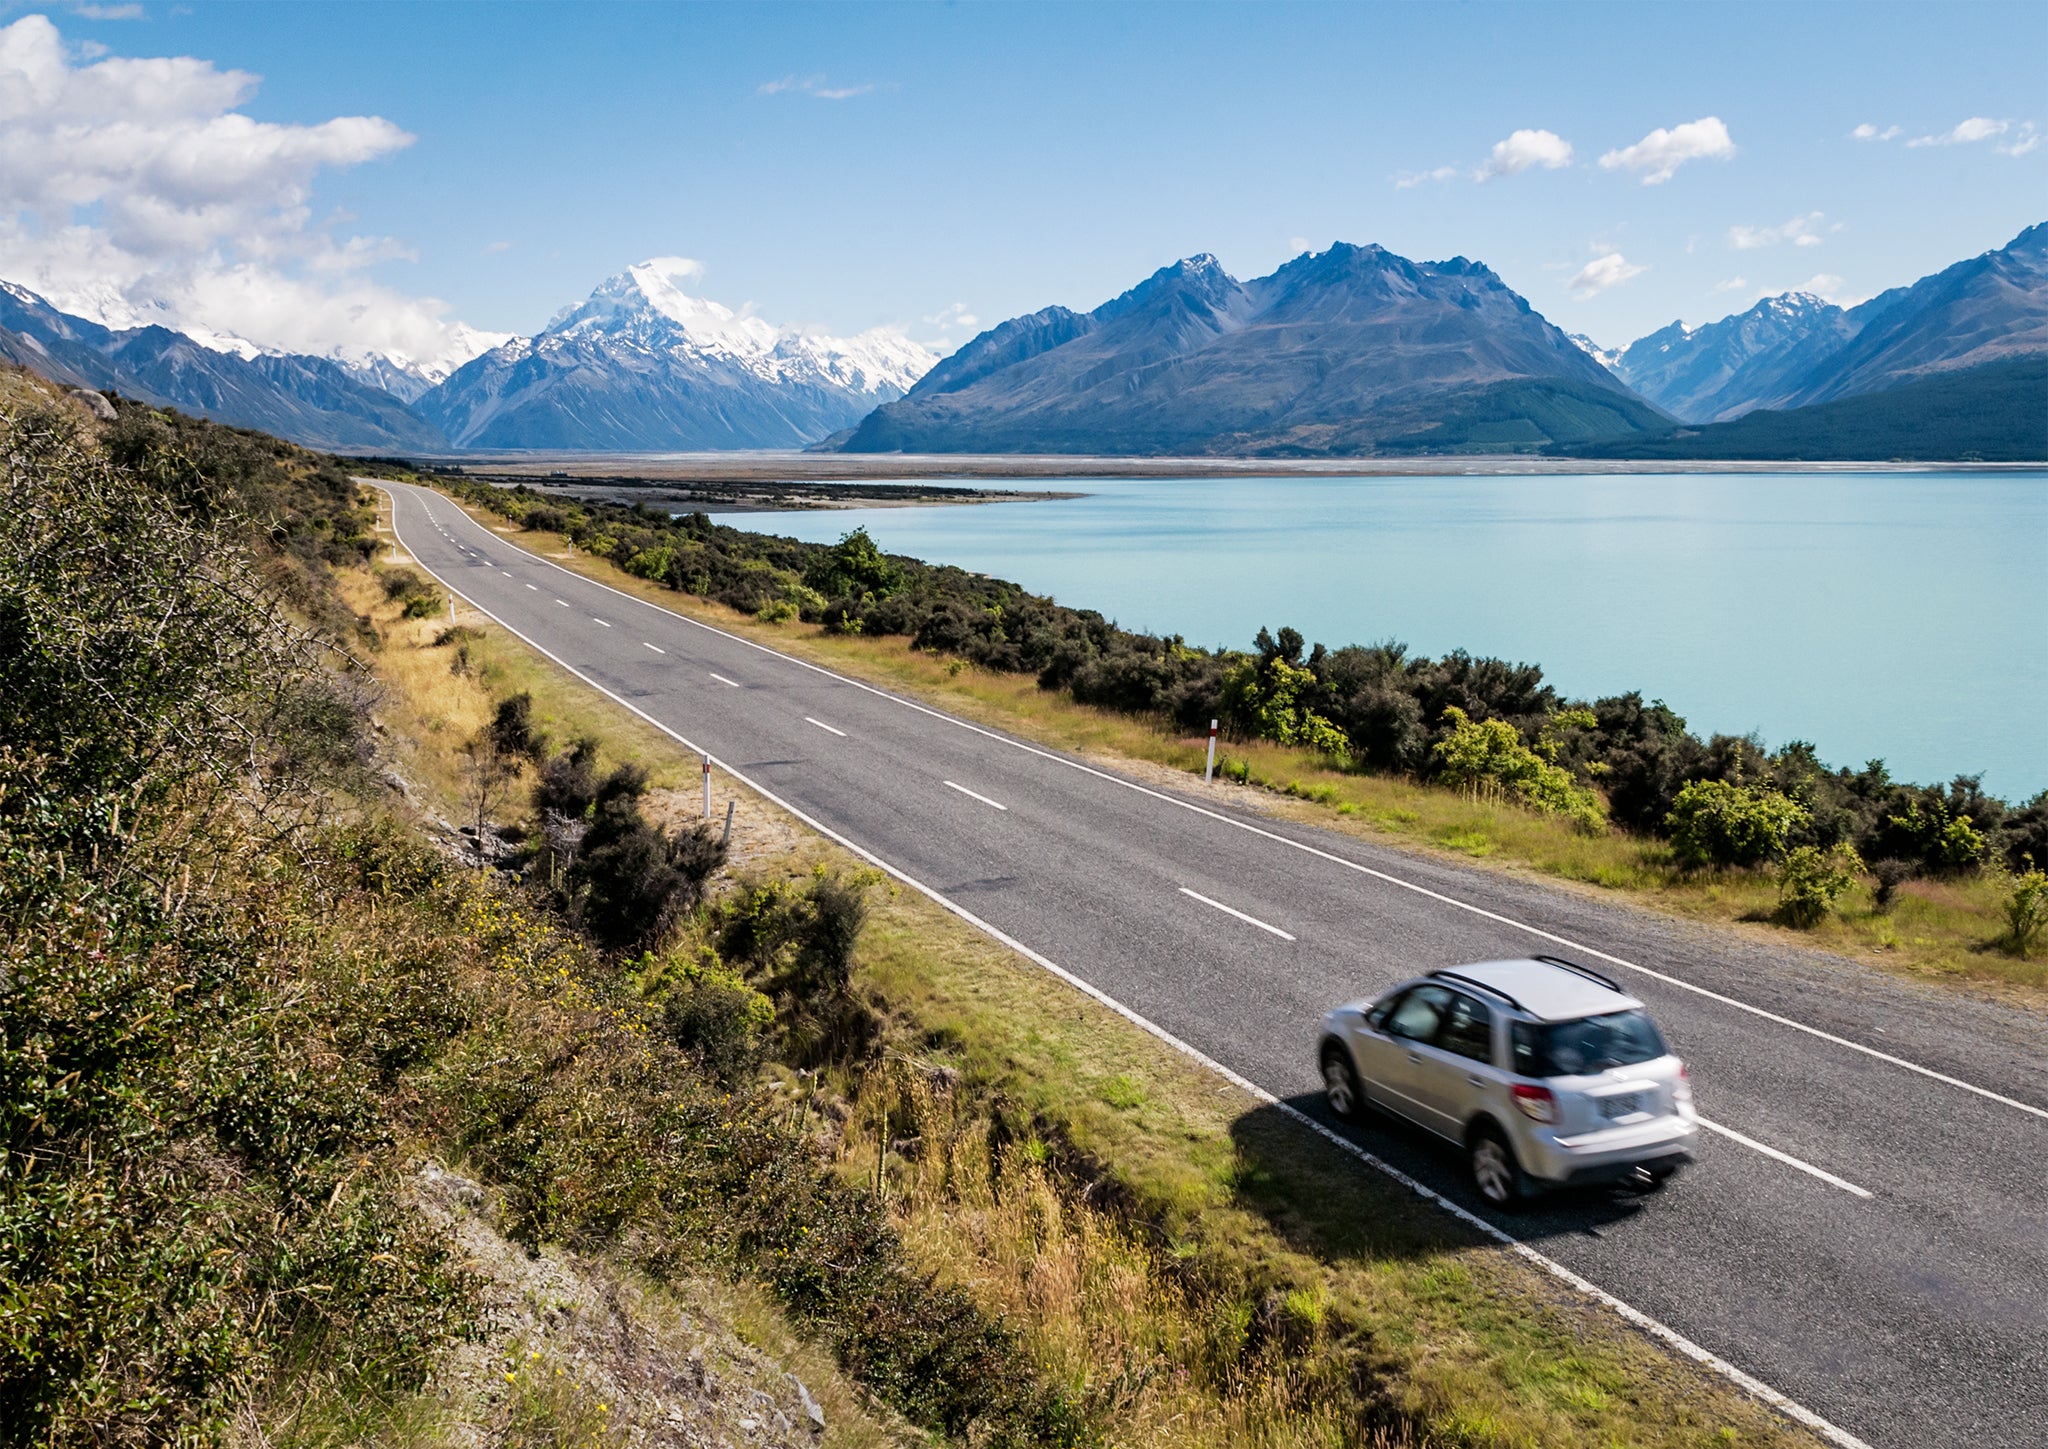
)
(1605, 356)
(1796, 349)
(409, 378)
(309, 400)
(642, 364)
(1758, 358)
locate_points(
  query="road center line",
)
(1233, 911)
(1307, 849)
(655, 647)
(825, 727)
(1748, 1383)
(1785, 1157)
(534, 587)
(723, 680)
(563, 602)
(972, 795)
(595, 620)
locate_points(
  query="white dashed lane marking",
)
(1233, 911)
(972, 795)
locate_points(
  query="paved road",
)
(1873, 1244)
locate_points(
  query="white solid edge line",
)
(1233, 911)
(723, 680)
(973, 795)
(1749, 1384)
(655, 647)
(1785, 1157)
(1380, 875)
(825, 727)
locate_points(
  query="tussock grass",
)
(1942, 930)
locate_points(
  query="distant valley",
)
(1349, 352)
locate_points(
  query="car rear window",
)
(1591, 1044)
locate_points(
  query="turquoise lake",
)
(1901, 616)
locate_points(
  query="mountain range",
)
(1797, 350)
(1346, 351)
(1349, 351)
(642, 365)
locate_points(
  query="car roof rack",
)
(1446, 974)
(1586, 971)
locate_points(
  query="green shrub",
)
(2026, 910)
(1715, 823)
(720, 1020)
(1487, 760)
(1810, 881)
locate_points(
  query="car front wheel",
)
(1340, 1084)
(1494, 1170)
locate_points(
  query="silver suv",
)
(1546, 1074)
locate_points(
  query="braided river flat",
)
(1893, 615)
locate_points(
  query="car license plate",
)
(1625, 1105)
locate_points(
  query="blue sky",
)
(848, 166)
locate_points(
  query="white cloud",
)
(1977, 128)
(956, 315)
(1800, 231)
(1733, 284)
(1868, 132)
(1824, 285)
(1405, 180)
(1523, 150)
(107, 12)
(2025, 139)
(811, 85)
(492, 248)
(133, 190)
(1660, 154)
(1608, 270)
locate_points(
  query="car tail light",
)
(1683, 1091)
(1537, 1103)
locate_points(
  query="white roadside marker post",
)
(707, 786)
(1209, 774)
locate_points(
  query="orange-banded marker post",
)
(707, 786)
(1209, 774)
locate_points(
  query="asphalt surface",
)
(1912, 1315)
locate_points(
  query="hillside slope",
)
(1996, 413)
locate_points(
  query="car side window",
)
(1419, 1014)
(1468, 1029)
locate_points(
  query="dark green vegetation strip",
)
(1485, 726)
(232, 992)
(1997, 413)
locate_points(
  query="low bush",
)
(1715, 823)
(1811, 880)
(2026, 911)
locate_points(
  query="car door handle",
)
(1476, 1081)
(1415, 1056)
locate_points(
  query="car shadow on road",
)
(1326, 1200)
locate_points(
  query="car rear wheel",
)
(1494, 1170)
(1340, 1084)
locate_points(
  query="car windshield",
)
(1591, 1044)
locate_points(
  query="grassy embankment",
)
(1197, 1270)
(1936, 928)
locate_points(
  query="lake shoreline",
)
(790, 468)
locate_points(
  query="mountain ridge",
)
(1343, 351)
